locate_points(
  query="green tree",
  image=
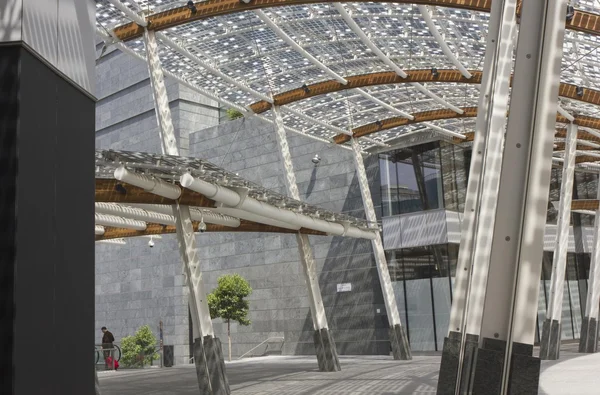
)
(227, 302)
(140, 349)
(232, 114)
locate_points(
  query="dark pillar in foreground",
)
(399, 342)
(450, 363)
(550, 343)
(210, 367)
(588, 340)
(47, 127)
(524, 370)
(327, 357)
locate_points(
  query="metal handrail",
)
(266, 341)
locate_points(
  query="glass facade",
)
(434, 176)
(423, 279)
(424, 177)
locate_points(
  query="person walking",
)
(107, 344)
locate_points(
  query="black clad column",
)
(47, 130)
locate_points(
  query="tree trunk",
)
(229, 338)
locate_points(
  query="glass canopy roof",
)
(248, 56)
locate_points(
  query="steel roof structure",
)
(124, 209)
(340, 66)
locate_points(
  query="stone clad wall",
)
(271, 263)
(137, 285)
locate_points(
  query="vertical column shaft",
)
(504, 362)
(550, 343)
(398, 338)
(460, 347)
(487, 143)
(588, 341)
(325, 346)
(159, 94)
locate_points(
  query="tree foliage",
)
(232, 114)
(140, 349)
(227, 300)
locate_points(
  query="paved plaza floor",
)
(574, 373)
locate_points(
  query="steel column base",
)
(524, 371)
(327, 357)
(550, 342)
(450, 363)
(210, 367)
(399, 342)
(588, 341)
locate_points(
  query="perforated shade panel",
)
(244, 57)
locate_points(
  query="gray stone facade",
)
(137, 285)
(271, 263)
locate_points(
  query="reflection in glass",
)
(422, 281)
(424, 177)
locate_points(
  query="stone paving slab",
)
(288, 376)
(573, 374)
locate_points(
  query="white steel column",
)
(468, 294)
(208, 355)
(588, 340)
(186, 239)
(398, 338)
(497, 63)
(551, 332)
(159, 94)
(510, 310)
(325, 346)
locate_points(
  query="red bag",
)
(109, 362)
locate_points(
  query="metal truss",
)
(377, 244)
(159, 94)
(309, 268)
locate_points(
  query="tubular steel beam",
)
(114, 191)
(436, 115)
(568, 91)
(582, 21)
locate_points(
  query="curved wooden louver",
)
(156, 229)
(435, 115)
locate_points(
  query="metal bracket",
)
(243, 192)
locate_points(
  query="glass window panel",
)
(387, 174)
(411, 179)
(454, 174)
(418, 264)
